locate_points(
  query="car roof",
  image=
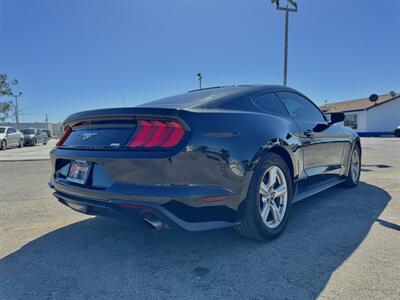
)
(200, 97)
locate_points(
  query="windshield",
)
(2, 130)
(28, 131)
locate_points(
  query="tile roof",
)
(356, 104)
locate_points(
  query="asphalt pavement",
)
(340, 244)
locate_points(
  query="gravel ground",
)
(342, 243)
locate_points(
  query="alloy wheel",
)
(273, 197)
(355, 166)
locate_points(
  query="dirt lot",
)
(342, 244)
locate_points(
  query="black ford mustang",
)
(225, 156)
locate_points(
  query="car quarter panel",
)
(351, 139)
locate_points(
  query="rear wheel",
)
(34, 142)
(353, 177)
(3, 145)
(268, 203)
(45, 143)
(21, 143)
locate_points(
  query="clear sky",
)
(79, 54)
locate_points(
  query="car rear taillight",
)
(67, 132)
(157, 134)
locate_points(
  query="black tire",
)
(252, 225)
(352, 181)
(45, 143)
(21, 143)
(34, 142)
(3, 145)
(397, 132)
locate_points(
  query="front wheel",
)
(3, 145)
(268, 203)
(353, 177)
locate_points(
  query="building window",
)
(351, 121)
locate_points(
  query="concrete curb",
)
(24, 159)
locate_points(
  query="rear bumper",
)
(171, 205)
(177, 186)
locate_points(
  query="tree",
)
(5, 90)
(5, 108)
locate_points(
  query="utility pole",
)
(286, 9)
(16, 110)
(46, 119)
(200, 77)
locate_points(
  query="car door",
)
(44, 136)
(12, 138)
(39, 136)
(322, 143)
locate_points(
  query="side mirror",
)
(337, 117)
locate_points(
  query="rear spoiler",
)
(121, 114)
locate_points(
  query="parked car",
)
(34, 136)
(48, 132)
(397, 131)
(226, 156)
(10, 137)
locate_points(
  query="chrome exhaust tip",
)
(154, 222)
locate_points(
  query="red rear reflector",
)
(161, 134)
(132, 206)
(214, 198)
(67, 132)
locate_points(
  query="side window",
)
(270, 103)
(241, 103)
(11, 130)
(300, 107)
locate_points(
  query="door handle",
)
(308, 133)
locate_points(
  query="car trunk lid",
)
(124, 128)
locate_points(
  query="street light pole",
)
(286, 9)
(200, 77)
(286, 47)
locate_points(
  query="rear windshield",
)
(2, 130)
(28, 131)
(194, 98)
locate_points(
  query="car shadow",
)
(106, 258)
